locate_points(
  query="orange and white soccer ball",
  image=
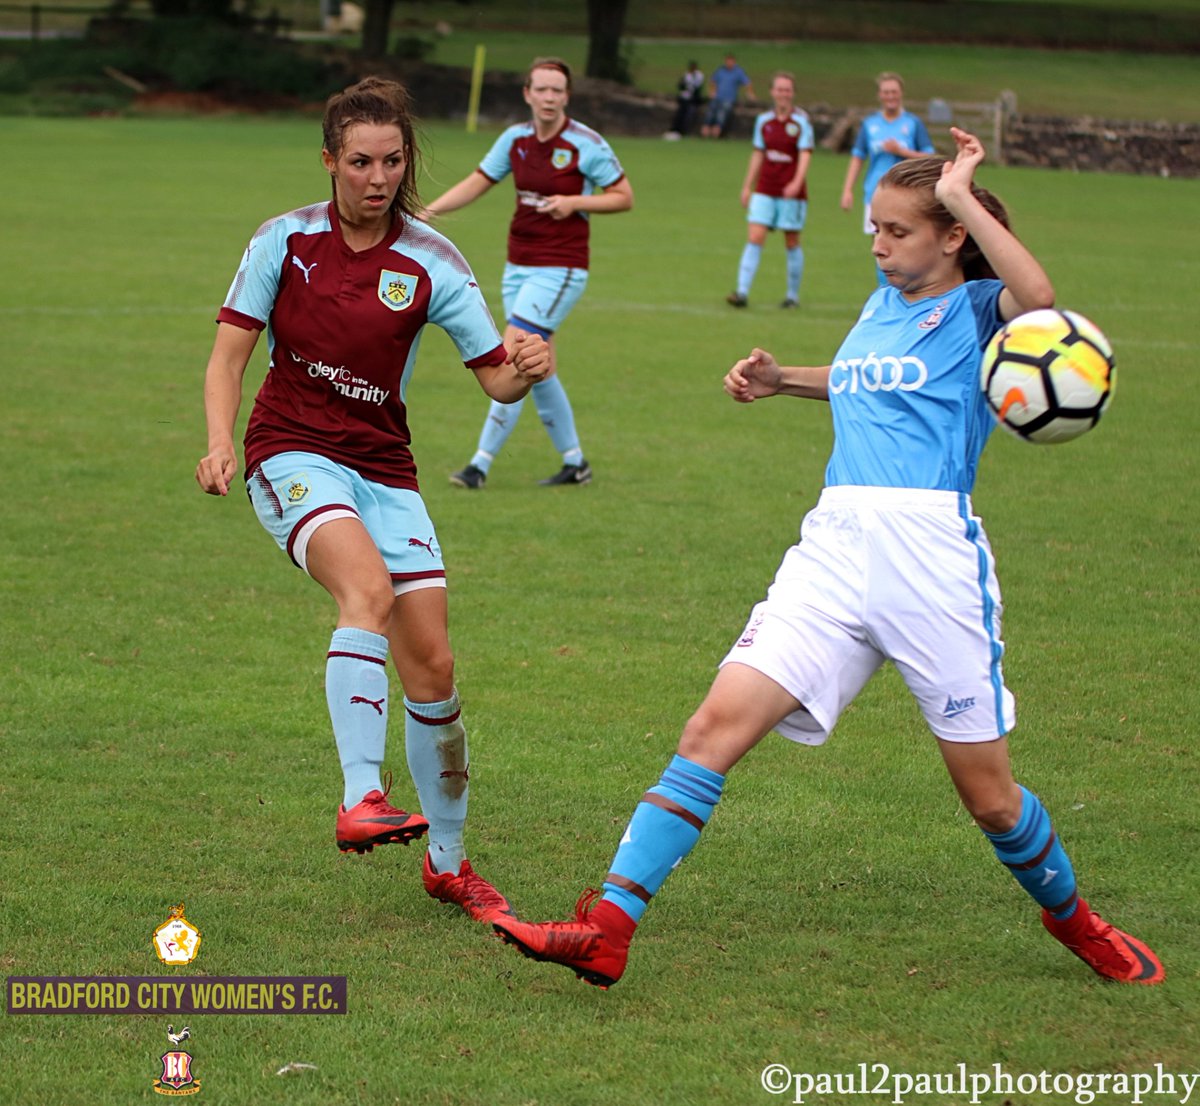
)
(1048, 375)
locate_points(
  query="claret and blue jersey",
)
(574, 162)
(343, 329)
(908, 410)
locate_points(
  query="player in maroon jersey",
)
(564, 172)
(775, 191)
(343, 289)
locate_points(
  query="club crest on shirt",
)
(396, 289)
(935, 317)
(561, 158)
(792, 129)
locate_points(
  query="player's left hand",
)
(530, 357)
(558, 207)
(958, 174)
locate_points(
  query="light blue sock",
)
(751, 255)
(435, 742)
(664, 827)
(500, 422)
(554, 409)
(356, 688)
(1032, 852)
(795, 271)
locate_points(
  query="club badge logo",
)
(561, 158)
(396, 289)
(297, 488)
(177, 941)
(177, 1078)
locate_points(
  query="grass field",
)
(163, 722)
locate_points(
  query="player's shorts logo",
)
(396, 289)
(561, 158)
(297, 489)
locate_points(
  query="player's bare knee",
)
(994, 813)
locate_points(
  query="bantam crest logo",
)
(177, 941)
(561, 158)
(396, 289)
(176, 1078)
(298, 489)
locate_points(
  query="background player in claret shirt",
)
(775, 191)
(563, 172)
(343, 289)
(892, 564)
(886, 138)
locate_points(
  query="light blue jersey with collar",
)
(908, 410)
(876, 129)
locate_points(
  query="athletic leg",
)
(1017, 825)
(740, 709)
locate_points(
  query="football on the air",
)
(1048, 375)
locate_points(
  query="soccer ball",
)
(1048, 375)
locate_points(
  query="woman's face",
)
(546, 95)
(891, 97)
(368, 170)
(913, 252)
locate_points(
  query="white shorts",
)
(879, 574)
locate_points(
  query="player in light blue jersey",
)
(892, 565)
(886, 138)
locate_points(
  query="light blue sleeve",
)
(805, 141)
(456, 303)
(598, 163)
(921, 137)
(759, 121)
(497, 162)
(985, 302)
(862, 148)
(256, 283)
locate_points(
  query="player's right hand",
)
(216, 470)
(754, 377)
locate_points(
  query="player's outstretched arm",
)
(760, 376)
(1026, 285)
(222, 398)
(469, 189)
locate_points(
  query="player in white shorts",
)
(892, 564)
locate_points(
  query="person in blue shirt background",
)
(892, 565)
(886, 137)
(724, 86)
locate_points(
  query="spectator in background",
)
(886, 138)
(724, 87)
(688, 97)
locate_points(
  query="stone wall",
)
(1158, 149)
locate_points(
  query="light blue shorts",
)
(538, 298)
(295, 493)
(776, 212)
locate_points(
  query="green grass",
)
(164, 729)
(1063, 82)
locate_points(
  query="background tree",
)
(377, 21)
(606, 21)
